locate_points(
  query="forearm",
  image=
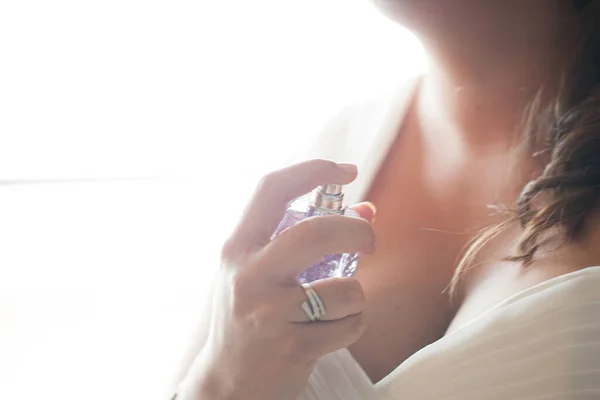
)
(200, 335)
(208, 389)
(204, 381)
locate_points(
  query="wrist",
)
(205, 382)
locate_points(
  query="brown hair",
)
(561, 198)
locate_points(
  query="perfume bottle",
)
(324, 200)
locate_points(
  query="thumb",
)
(366, 210)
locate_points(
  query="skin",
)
(455, 155)
(260, 343)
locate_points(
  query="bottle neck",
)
(327, 202)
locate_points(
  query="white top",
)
(542, 343)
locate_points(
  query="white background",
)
(131, 133)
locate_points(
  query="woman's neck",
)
(485, 65)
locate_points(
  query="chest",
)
(426, 216)
(428, 210)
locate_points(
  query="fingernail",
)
(348, 168)
(374, 209)
(371, 206)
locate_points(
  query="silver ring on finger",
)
(314, 308)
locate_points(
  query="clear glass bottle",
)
(324, 200)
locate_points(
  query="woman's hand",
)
(261, 344)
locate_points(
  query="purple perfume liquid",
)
(332, 265)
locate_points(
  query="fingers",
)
(341, 297)
(319, 338)
(366, 211)
(277, 189)
(300, 246)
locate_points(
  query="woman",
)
(520, 318)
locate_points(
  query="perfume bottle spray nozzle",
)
(333, 189)
(328, 198)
